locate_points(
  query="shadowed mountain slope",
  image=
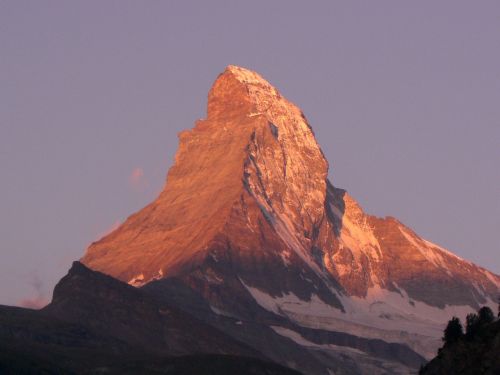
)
(96, 324)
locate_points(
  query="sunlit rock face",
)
(248, 214)
(382, 252)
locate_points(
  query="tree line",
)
(454, 331)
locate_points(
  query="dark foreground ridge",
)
(12, 362)
(99, 325)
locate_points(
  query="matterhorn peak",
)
(254, 96)
(253, 160)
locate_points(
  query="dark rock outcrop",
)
(96, 321)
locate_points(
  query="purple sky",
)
(404, 98)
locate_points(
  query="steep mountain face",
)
(250, 222)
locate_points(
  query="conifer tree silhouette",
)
(453, 331)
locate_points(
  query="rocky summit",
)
(249, 223)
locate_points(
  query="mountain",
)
(250, 254)
(249, 221)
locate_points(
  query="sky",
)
(403, 97)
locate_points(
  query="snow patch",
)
(263, 299)
(383, 314)
(299, 339)
(137, 281)
(221, 312)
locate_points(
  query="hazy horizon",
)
(403, 99)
